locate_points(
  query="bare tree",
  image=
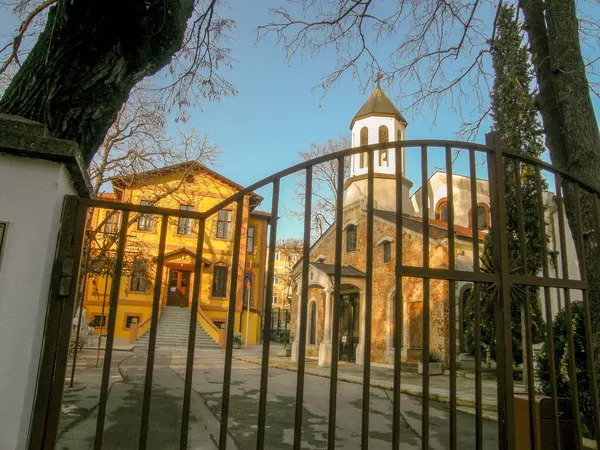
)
(75, 62)
(139, 141)
(324, 185)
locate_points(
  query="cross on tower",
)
(378, 77)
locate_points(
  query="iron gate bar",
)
(568, 311)
(506, 425)
(80, 315)
(112, 317)
(445, 274)
(235, 262)
(153, 331)
(525, 318)
(366, 313)
(477, 300)
(549, 282)
(141, 209)
(303, 309)
(335, 317)
(426, 299)
(502, 278)
(43, 390)
(452, 295)
(587, 314)
(530, 160)
(398, 303)
(62, 350)
(189, 365)
(264, 368)
(547, 301)
(342, 153)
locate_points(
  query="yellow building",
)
(189, 186)
(287, 254)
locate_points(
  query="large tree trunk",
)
(570, 124)
(87, 60)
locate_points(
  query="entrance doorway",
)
(179, 284)
(349, 322)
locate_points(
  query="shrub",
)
(561, 360)
(434, 357)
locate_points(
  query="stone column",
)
(360, 349)
(296, 342)
(325, 346)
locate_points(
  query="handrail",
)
(205, 317)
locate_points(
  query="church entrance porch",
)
(349, 327)
(178, 291)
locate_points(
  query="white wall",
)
(373, 123)
(31, 198)
(462, 196)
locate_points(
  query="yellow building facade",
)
(188, 186)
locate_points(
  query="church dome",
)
(378, 104)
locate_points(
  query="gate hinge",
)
(64, 285)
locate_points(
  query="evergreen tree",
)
(516, 120)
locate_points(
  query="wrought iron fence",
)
(503, 277)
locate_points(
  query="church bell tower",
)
(378, 120)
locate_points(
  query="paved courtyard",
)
(79, 412)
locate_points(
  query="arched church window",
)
(483, 217)
(441, 210)
(386, 249)
(350, 238)
(312, 336)
(384, 136)
(364, 140)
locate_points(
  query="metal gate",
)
(504, 276)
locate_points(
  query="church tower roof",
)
(378, 104)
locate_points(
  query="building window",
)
(250, 245)
(139, 276)
(350, 238)
(111, 225)
(275, 279)
(129, 320)
(145, 221)
(294, 257)
(99, 321)
(277, 256)
(384, 136)
(364, 140)
(219, 285)
(275, 297)
(312, 336)
(441, 210)
(224, 224)
(387, 252)
(184, 225)
(483, 217)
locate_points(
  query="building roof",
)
(439, 227)
(347, 271)
(378, 104)
(258, 213)
(122, 182)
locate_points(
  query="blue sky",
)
(275, 114)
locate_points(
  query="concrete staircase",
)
(173, 330)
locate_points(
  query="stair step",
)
(173, 330)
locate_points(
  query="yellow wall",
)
(168, 191)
